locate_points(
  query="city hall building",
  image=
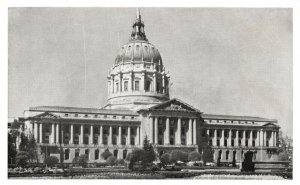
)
(138, 106)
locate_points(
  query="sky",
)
(221, 60)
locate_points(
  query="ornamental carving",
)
(175, 107)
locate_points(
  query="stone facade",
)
(138, 107)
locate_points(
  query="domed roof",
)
(138, 50)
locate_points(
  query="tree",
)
(11, 149)
(81, 160)
(149, 155)
(136, 155)
(106, 154)
(111, 160)
(24, 143)
(32, 149)
(165, 158)
(194, 156)
(51, 160)
(22, 158)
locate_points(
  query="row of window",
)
(233, 133)
(230, 122)
(137, 86)
(97, 116)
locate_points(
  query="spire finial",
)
(138, 13)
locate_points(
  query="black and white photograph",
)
(193, 93)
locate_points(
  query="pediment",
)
(174, 105)
(270, 125)
(46, 115)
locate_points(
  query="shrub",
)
(81, 160)
(128, 157)
(111, 160)
(177, 155)
(165, 158)
(22, 158)
(106, 154)
(51, 160)
(121, 162)
(194, 156)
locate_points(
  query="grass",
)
(237, 177)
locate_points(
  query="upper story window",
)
(86, 115)
(66, 115)
(76, 115)
(136, 85)
(125, 85)
(114, 117)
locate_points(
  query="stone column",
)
(121, 81)
(265, 138)
(237, 138)
(215, 138)
(261, 138)
(130, 83)
(229, 137)
(72, 134)
(154, 82)
(41, 133)
(120, 135)
(112, 84)
(137, 135)
(57, 133)
(194, 132)
(167, 138)
(163, 84)
(251, 139)
(178, 139)
(142, 88)
(91, 134)
(36, 131)
(222, 138)
(190, 133)
(128, 135)
(156, 130)
(110, 136)
(151, 129)
(52, 141)
(81, 134)
(275, 138)
(100, 135)
(272, 138)
(244, 138)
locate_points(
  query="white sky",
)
(222, 61)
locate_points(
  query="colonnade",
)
(260, 138)
(191, 134)
(54, 133)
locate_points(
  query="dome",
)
(138, 50)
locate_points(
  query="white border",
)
(4, 4)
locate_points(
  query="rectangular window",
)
(232, 142)
(225, 142)
(253, 143)
(125, 85)
(136, 85)
(218, 142)
(210, 142)
(157, 87)
(148, 84)
(117, 87)
(132, 141)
